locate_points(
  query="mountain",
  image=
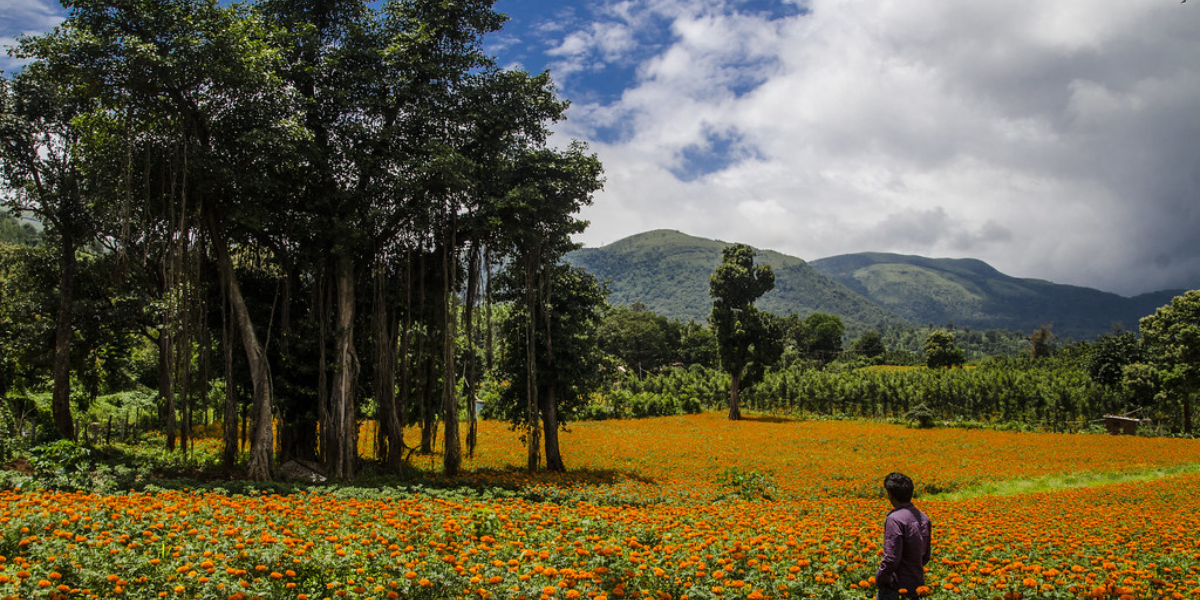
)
(971, 293)
(669, 271)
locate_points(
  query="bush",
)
(61, 465)
(9, 439)
(748, 485)
(922, 415)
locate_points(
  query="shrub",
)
(8, 433)
(922, 415)
(748, 485)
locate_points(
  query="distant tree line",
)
(1031, 378)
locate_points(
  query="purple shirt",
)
(906, 540)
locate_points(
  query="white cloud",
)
(1052, 139)
(24, 17)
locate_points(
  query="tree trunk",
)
(425, 407)
(452, 448)
(1187, 412)
(428, 431)
(344, 431)
(60, 403)
(472, 359)
(229, 427)
(554, 461)
(166, 380)
(488, 353)
(323, 412)
(532, 300)
(405, 355)
(735, 411)
(205, 366)
(298, 429)
(185, 368)
(384, 327)
(262, 442)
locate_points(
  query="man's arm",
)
(893, 549)
(928, 542)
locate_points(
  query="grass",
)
(1051, 483)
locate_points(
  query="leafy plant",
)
(62, 465)
(748, 485)
(9, 440)
(922, 415)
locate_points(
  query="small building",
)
(1118, 425)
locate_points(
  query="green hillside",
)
(669, 271)
(971, 293)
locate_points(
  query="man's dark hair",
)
(899, 487)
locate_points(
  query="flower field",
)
(674, 507)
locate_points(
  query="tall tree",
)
(819, 336)
(193, 81)
(547, 188)
(1109, 354)
(566, 352)
(869, 345)
(42, 174)
(384, 93)
(1041, 342)
(637, 336)
(746, 337)
(1171, 343)
(941, 351)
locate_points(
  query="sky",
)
(1054, 139)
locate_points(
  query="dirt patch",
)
(20, 465)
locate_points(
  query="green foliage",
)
(58, 456)
(921, 414)
(1041, 342)
(1171, 343)
(26, 327)
(1110, 354)
(748, 340)
(869, 345)
(940, 351)
(1142, 382)
(576, 299)
(818, 336)
(9, 440)
(627, 404)
(697, 345)
(638, 337)
(61, 464)
(1055, 394)
(16, 233)
(748, 485)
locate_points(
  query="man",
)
(906, 543)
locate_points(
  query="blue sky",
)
(1054, 139)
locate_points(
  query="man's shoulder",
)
(908, 513)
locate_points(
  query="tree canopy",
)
(941, 351)
(1171, 344)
